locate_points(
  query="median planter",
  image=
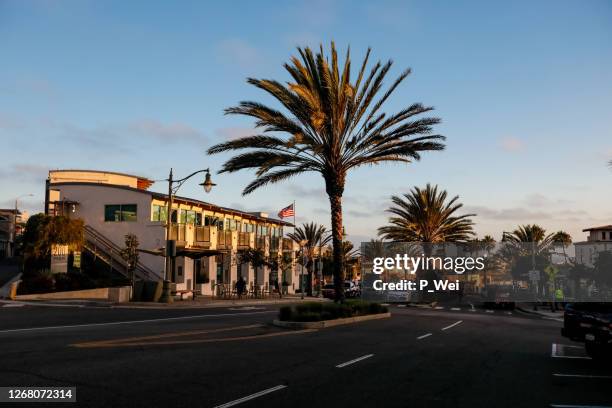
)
(318, 315)
(329, 323)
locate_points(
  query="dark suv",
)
(591, 323)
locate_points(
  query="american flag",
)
(286, 212)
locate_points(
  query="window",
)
(188, 217)
(603, 235)
(209, 220)
(120, 212)
(198, 218)
(159, 213)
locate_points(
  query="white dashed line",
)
(354, 360)
(489, 311)
(598, 377)
(250, 397)
(455, 308)
(423, 336)
(452, 325)
(439, 307)
(578, 406)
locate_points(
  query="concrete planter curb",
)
(329, 323)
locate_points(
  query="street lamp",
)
(304, 260)
(15, 220)
(170, 253)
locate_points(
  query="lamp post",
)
(170, 253)
(304, 261)
(15, 221)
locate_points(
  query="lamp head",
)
(207, 184)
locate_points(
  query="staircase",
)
(106, 250)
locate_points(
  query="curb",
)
(329, 323)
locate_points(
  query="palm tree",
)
(529, 234)
(330, 124)
(427, 216)
(563, 239)
(311, 236)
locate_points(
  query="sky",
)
(524, 91)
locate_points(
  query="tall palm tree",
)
(533, 234)
(330, 124)
(562, 239)
(427, 216)
(311, 236)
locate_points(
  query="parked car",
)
(579, 318)
(351, 290)
(590, 323)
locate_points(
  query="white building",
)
(209, 237)
(598, 240)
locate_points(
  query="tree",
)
(42, 232)
(603, 268)
(331, 124)
(427, 216)
(131, 256)
(563, 239)
(311, 236)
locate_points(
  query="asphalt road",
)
(233, 357)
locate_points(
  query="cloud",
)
(233, 133)
(8, 122)
(165, 131)
(517, 214)
(24, 172)
(237, 51)
(126, 137)
(512, 144)
(541, 200)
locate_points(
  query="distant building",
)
(598, 240)
(209, 237)
(9, 230)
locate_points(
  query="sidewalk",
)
(542, 311)
(203, 302)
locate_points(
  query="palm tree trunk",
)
(335, 200)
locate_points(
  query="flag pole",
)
(294, 216)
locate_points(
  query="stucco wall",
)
(92, 200)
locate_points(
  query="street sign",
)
(76, 260)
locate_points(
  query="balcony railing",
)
(244, 240)
(202, 236)
(260, 242)
(224, 239)
(274, 244)
(287, 244)
(178, 232)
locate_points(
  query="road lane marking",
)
(124, 343)
(455, 308)
(163, 319)
(401, 305)
(439, 307)
(598, 377)
(423, 336)
(347, 363)
(251, 397)
(452, 325)
(578, 406)
(13, 305)
(509, 313)
(558, 351)
(489, 311)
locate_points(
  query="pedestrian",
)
(277, 287)
(240, 287)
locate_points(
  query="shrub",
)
(316, 311)
(285, 313)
